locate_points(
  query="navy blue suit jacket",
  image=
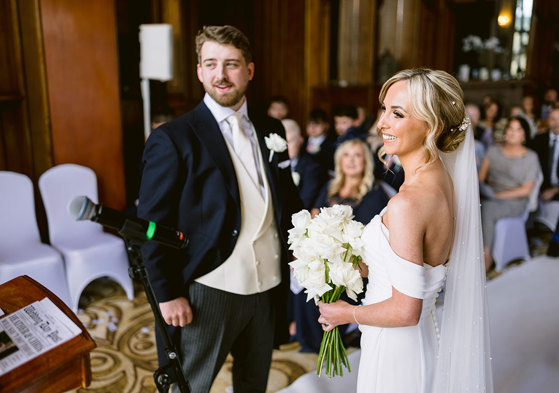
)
(540, 144)
(311, 179)
(189, 183)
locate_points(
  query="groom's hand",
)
(176, 312)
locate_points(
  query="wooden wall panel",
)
(82, 71)
(417, 33)
(357, 41)
(543, 57)
(15, 140)
(278, 45)
(36, 85)
(317, 51)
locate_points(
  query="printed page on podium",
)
(32, 331)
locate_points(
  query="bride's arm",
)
(406, 219)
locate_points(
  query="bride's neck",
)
(412, 162)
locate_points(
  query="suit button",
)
(234, 233)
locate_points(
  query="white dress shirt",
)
(221, 113)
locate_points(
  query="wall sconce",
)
(503, 20)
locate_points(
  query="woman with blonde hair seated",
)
(353, 183)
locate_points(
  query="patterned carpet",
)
(125, 357)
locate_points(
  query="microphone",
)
(82, 208)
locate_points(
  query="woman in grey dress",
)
(508, 174)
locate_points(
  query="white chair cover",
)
(89, 252)
(510, 241)
(21, 250)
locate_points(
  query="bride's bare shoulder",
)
(419, 201)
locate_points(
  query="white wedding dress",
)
(400, 359)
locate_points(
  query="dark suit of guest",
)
(190, 182)
(309, 175)
(541, 145)
(323, 154)
(393, 175)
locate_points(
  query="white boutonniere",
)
(275, 143)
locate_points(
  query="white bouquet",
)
(327, 249)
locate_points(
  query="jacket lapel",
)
(207, 130)
(270, 168)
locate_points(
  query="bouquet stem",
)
(332, 351)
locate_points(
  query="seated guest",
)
(549, 102)
(528, 105)
(352, 185)
(347, 124)
(345, 116)
(474, 115)
(318, 144)
(492, 123)
(307, 173)
(547, 147)
(278, 108)
(507, 175)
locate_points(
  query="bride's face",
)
(402, 132)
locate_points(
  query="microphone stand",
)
(134, 237)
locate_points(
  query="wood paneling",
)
(15, 140)
(543, 57)
(357, 41)
(36, 93)
(82, 71)
(317, 50)
(278, 45)
(417, 33)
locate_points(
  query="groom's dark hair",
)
(225, 35)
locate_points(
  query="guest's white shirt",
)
(313, 143)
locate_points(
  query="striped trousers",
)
(224, 323)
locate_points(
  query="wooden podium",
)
(64, 367)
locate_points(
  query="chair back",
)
(59, 186)
(17, 210)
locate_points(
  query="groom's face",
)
(224, 73)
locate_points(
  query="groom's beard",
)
(229, 98)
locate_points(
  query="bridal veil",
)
(464, 362)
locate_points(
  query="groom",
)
(210, 174)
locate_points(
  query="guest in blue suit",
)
(211, 175)
(306, 172)
(353, 185)
(319, 144)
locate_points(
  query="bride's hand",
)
(363, 268)
(334, 314)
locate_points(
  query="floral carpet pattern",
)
(125, 357)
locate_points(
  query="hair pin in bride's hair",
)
(463, 126)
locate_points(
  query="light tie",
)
(243, 146)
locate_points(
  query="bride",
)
(429, 233)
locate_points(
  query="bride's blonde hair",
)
(437, 99)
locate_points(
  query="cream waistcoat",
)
(254, 264)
